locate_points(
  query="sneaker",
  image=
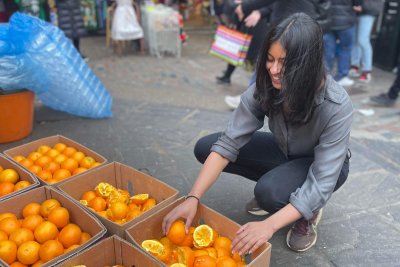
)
(354, 72)
(253, 208)
(346, 81)
(232, 101)
(382, 100)
(365, 77)
(223, 80)
(303, 234)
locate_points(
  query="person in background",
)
(361, 54)
(301, 161)
(388, 99)
(34, 8)
(70, 20)
(339, 40)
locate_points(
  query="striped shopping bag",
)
(230, 45)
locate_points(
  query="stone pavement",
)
(162, 106)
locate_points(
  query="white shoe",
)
(346, 81)
(232, 101)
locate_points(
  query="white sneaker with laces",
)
(232, 101)
(346, 81)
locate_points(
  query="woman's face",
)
(275, 60)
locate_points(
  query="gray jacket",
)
(325, 137)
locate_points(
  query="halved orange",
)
(203, 236)
(154, 247)
(139, 198)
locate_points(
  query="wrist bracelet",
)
(189, 196)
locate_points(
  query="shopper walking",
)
(361, 55)
(302, 161)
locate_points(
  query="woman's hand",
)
(251, 236)
(253, 18)
(186, 210)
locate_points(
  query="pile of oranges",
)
(9, 181)
(116, 204)
(53, 164)
(43, 233)
(201, 247)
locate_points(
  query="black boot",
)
(223, 79)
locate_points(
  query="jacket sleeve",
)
(250, 5)
(246, 119)
(329, 156)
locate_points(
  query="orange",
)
(9, 224)
(87, 162)
(28, 252)
(186, 256)
(59, 216)
(78, 156)
(222, 252)
(139, 199)
(8, 251)
(21, 185)
(200, 252)
(45, 175)
(223, 243)
(132, 214)
(60, 158)
(119, 210)
(98, 204)
(43, 160)
(70, 235)
(89, 195)
(52, 181)
(34, 155)
(18, 264)
(133, 206)
(1, 168)
(211, 252)
(177, 232)
(38, 263)
(150, 203)
(6, 215)
(32, 208)
(188, 241)
(59, 147)
(84, 237)
(79, 170)
(32, 221)
(18, 158)
(52, 153)
(61, 174)
(48, 205)
(69, 151)
(43, 149)
(95, 164)
(71, 248)
(21, 235)
(3, 236)
(45, 231)
(26, 162)
(6, 188)
(237, 257)
(226, 262)
(154, 247)
(178, 265)
(203, 236)
(50, 249)
(51, 166)
(104, 189)
(204, 261)
(165, 255)
(35, 169)
(9, 175)
(69, 164)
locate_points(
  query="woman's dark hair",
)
(303, 71)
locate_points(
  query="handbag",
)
(230, 45)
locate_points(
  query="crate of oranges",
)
(119, 195)
(42, 227)
(54, 159)
(14, 179)
(206, 245)
(112, 251)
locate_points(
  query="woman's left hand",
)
(251, 236)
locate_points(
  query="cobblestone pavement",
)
(163, 105)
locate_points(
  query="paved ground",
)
(162, 106)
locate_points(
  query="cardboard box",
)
(109, 252)
(119, 175)
(87, 222)
(151, 229)
(6, 163)
(26, 149)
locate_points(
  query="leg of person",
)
(141, 45)
(226, 78)
(234, 101)
(345, 44)
(364, 40)
(395, 88)
(76, 44)
(388, 99)
(355, 52)
(273, 191)
(329, 51)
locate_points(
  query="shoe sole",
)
(312, 244)
(258, 212)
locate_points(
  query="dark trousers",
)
(395, 88)
(262, 161)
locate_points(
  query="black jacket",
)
(372, 7)
(342, 14)
(70, 18)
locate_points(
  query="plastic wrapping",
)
(36, 55)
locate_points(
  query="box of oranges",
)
(55, 158)
(42, 227)
(112, 251)
(207, 243)
(119, 195)
(14, 179)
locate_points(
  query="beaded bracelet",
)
(189, 196)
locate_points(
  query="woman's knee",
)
(267, 198)
(203, 146)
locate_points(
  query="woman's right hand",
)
(186, 210)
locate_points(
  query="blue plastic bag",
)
(37, 56)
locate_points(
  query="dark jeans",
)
(262, 161)
(395, 88)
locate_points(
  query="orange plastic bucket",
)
(16, 114)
